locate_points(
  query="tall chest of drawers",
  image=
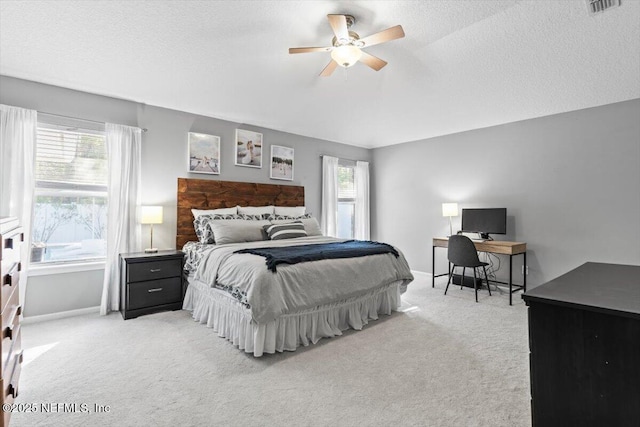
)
(11, 239)
(584, 340)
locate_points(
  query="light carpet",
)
(443, 361)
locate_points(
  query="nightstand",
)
(150, 282)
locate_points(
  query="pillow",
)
(275, 217)
(286, 211)
(311, 225)
(256, 217)
(224, 211)
(255, 210)
(202, 226)
(290, 230)
(237, 231)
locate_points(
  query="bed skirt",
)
(234, 322)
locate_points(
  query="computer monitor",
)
(485, 221)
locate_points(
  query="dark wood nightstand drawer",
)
(155, 292)
(152, 270)
(150, 282)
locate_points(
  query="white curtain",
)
(329, 196)
(18, 128)
(361, 220)
(123, 227)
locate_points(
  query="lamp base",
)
(151, 250)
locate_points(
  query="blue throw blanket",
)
(303, 253)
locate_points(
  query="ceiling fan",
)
(346, 47)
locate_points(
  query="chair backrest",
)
(462, 251)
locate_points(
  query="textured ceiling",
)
(463, 64)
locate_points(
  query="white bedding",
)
(299, 287)
(231, 320)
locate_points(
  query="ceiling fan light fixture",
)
(347, 48)
(346, 55)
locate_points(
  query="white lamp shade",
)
(346, 55)
(449, 209)
(151, 215)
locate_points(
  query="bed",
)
(262, 309)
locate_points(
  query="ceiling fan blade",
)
(339, 25)
(328, 70)
(384, 36)
(308, 49)
(372, 61)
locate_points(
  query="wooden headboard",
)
(214, 194)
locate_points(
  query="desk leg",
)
(433, 266)
(510, 279)
(524, 281)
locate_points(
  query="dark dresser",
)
(11, 239)
(584, 341)
(150, 282)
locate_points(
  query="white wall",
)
(570, 183)
(164, 159)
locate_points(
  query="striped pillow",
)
(290, 230)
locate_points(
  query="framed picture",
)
(248, 148)
(204, 153)
(281, 163)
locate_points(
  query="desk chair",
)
(462, 253)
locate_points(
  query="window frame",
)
(348, 164)
(52, 188)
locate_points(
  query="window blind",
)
(70, 157)
(346, 183)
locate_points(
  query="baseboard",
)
(59, 315)
(420, 273)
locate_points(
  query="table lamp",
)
(450, 209)
(151, 215)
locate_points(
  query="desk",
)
(500, 247)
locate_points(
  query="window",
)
(70, 206)
(346, 200)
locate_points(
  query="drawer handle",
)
(12, 391)
(154, 290)
(8, 278)
(8, 243)
(8, 332)
(155, 270)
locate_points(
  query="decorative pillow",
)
(287, 211)
(311, 225)
(290, 230)
(224, 211)
(256, 217)
(202, 226)
(276, 217)
(255, 210)
(237, 231)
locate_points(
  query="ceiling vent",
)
(598, 6)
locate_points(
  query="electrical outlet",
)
(525, 270)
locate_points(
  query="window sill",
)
(45, 270)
